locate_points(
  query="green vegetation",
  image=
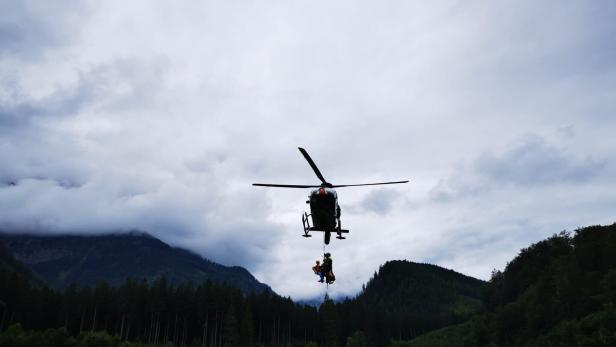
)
(427, 296)
(16, 336)
(159, 312)
(358, 339)
(558, 292)
(452, 336)
(9, 264)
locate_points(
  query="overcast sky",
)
(158, 116)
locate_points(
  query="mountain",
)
(423, 289)
(84, 260)
(557, 292)
(9, 265)
(406, 299)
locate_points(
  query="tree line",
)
(209, 314)
(557, 292)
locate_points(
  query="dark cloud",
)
(22, 108)
(96, 88)
(529, 162)
(566, 131)
(379, 201)
(29, 28)
(533, 161)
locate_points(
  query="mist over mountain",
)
(85, 260)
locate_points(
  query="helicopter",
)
(323, 201)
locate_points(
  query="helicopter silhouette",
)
(323, 200)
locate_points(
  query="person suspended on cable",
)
(327, 269)
(317, 269)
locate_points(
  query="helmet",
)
(327, 255)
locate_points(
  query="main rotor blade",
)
(366, 184)
(283, 185)
(313, 165)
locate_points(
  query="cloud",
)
(378, 201)
(28, 28)
(20, 109)
(528, 162)
(533, 161)
(177, 212)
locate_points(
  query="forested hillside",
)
(558, 292)
(207, 313)
(84, 260)
(423, 289)
(156, 313)
(8, 264)
(413, 298)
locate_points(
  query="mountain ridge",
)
(114, 257)
(398, 281)
(560, 291)
(424, 296)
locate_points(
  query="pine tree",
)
(329, 328)
(358, 339)
(231, 334)
(246, 329)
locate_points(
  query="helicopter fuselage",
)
(325, 213)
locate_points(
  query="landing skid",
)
(306, 224)
(308, 228)
(340, 231)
